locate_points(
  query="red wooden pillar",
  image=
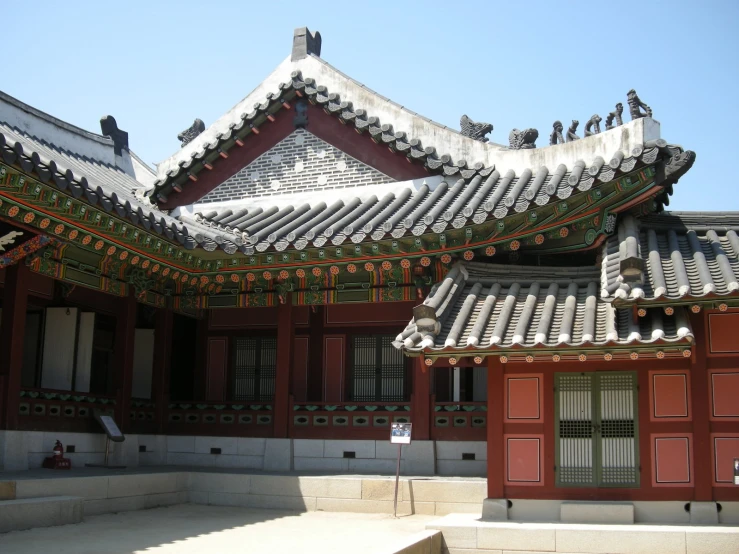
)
(162, 366)
(421, 407)
(701, 405)
(285, 343)
(496, 460)
(125, 333)
(15, 301)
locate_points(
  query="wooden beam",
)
(15, 302)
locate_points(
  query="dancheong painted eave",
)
(482, 308)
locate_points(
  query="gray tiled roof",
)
(465, 197)
(581, 175)
(101, 182)
(483, 307)
(684, 255)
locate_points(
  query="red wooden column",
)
(125, 332)
(701, 406)
(15, 301)
(496, 460)
(162, 366)
(421, 407)
(285, 343)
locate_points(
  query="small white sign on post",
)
(400, 434)
(736, 471)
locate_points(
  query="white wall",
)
(57, 365)
(84, 352)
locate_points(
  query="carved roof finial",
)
(109, 128)
(474, 129)
(189, 134)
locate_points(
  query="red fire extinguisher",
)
(58, 450)
(57, 461)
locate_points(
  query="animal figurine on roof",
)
(473, 129)
(556, 136)
(520, 140)
(189, 134)
(636, 105)
(572, 131)
(592, 127)
(615, 115)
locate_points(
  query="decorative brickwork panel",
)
(523, 398)
(722, 332)
(299, 163)
(724, 449)
(669, 396)
(672, 460)
(524, 460)
(724, 395)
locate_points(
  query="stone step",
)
(425, 542)
(26, 513)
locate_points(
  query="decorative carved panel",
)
(669, 396)
(672, 460)
(523, 398)
(722, 333)
(724, 448)
(524, 460)
(724, 395)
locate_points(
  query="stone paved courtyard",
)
(190, 528)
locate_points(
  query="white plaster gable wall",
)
(300, 162)
(71, 138)
(446, 140)
(37, 123)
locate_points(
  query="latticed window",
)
(596, 425)
(255, 367)
(378, 370)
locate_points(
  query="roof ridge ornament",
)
(572, 131)
(615, 115)
(475, 130)
(189, 134)
(305, 43)
(636, 105)
(520, 140)
(556, 136)
(109, 128)
(592, 127)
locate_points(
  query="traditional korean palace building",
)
(321, 261)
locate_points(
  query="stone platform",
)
(467, 534)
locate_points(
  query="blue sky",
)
(157, 65)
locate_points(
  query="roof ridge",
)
(55, 120)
